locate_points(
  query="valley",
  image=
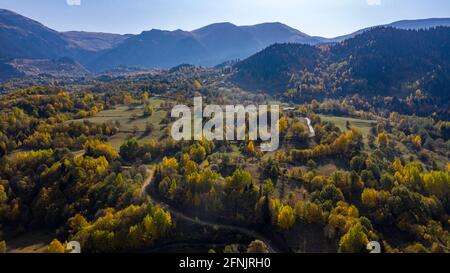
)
(87, 153)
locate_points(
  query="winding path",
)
(215, 225)
(311, 129)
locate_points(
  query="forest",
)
(92, 159)
(71, 169)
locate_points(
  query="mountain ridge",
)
(24, 38)
(381, 61)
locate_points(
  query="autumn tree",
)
(417, 141)
(286, 217)
(283, 125)
(354, 241)
(96, 148)
(168, 167)
(251, 148)
(2, 247)
(145, 97)
(148, 111)
(382, 140)
(299, 132)
(77, 223)
(257, 246)
(309, 212)
(197, 153)
(56, 247)
(197, 85)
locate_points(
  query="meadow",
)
(131, 121)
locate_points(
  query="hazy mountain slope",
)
(152, 49)
(8, 71)
(225, 41)
(210, 45)
(271, 33)
(421, 23)
(63, 67)
(93, 41)
(404, 24)
(21, 37)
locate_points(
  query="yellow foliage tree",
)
(286, 217)
(145, 96)
(382, 139)
(2, 247)
(251, 148)
(398, 166)
(197, 85)
(283, 124)
(96, 148)
(369, 198)
(56, 247)
(417, 141)
(169, 166)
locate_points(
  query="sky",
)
(327, 18)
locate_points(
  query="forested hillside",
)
(381, 61)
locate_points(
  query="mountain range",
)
(23, 38)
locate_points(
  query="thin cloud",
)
(374, 2)
(73, 2)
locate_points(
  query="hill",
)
(272, 68)
(380, 61)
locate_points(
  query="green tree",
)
(354, 241)
(148, 111)
(130, 149)
(197, 153)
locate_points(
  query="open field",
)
(131, 120)
(362, 124)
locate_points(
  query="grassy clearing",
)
(130, 120)
(341, 122)
(362, 124)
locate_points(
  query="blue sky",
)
(327, 18)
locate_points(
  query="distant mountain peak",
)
(273, 24)
(216, 27)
